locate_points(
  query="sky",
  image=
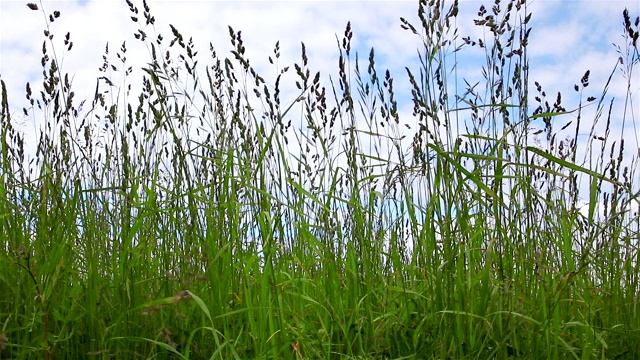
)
(568, 38)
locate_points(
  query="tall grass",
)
(198, 219)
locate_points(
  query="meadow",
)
(207, 217)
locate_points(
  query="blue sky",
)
(568, 38)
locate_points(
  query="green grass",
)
(196, 221)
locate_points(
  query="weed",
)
(186, 223)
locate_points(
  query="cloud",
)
(568, 38)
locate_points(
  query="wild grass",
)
(209, 218)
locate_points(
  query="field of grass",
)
(199, 220)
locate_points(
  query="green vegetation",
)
(198, 221)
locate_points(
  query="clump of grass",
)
(187, 222)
